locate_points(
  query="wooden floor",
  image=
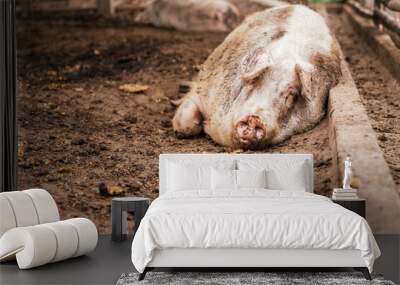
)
(111, 259)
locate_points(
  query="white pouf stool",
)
(31, 230)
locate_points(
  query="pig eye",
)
(290, 97)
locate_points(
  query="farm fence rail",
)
(385, 14)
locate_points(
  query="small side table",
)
(120, 207)
(357, 206)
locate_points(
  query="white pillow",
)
(227, 179)
(251, 178)
(223, 179)
(293, 179)
(290, 175)
(182, 177)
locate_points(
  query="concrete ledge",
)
(380, 42)
(350, 133)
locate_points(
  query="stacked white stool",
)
(31, 230)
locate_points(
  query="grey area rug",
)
(269, 278)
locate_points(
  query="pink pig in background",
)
(268, 80)
(191, 15)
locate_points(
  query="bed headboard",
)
(210, 157)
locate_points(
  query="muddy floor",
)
(77, 129)
(380, 92)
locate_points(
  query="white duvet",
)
(250, 219)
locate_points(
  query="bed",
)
(247, 210)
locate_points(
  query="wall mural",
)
(101, 95)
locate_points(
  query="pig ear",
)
(254, 66)
(304, 80)
(253, 75)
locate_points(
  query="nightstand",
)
(120, 207)
(357, 206)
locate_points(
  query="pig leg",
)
(188, 120)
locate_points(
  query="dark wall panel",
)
(8, 131)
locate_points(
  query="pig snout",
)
(250, 130)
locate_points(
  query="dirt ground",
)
(77, 129)
(378, 89)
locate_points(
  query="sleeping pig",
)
(191, 15)
(268, 80)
